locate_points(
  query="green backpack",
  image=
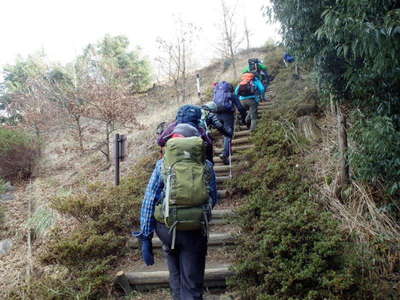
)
(187, 204)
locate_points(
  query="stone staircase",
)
(218, 260)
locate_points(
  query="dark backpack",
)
(223, 97)
(253, 65)
(190, 114)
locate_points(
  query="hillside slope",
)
(62, 171)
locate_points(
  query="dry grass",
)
(358, 213)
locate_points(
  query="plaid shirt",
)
(155, 193)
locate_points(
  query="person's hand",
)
(147, 251)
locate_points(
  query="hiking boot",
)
(248, 123)
(224, 159)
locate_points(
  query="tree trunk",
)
(233, 62)
(343, 148)
(108, 134)
(247, 34)
(332, 105)
(184, 70)
(343, 176)
(80, 132)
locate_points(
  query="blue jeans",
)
(186, 263)
(227, 119)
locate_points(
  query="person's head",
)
(253, 60)
(184, 130)
(210, 106)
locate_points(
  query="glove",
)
(147, 251)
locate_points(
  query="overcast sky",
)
(63, 27)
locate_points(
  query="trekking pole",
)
(230, 150)
(198, 85)
(284, 61)
(230, 159)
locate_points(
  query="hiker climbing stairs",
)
(221, 232)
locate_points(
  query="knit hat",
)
(186, 130)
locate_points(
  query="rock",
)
(306, 109)
(5, 246)
(7, 197)
(308, 127)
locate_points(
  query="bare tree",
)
(230, 41)
(247, 33)
(110, 102)
(31, 102)
(176, 59)
(63, 90)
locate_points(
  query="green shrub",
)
(290, 248)
(18, 152)
(106, 215)
(2, 215)
(3, 187)
(375, 155)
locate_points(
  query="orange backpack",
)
(246, 86)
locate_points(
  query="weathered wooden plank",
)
(222, 179)
(242, 133)
(157, 278)
(242, 140)
(235, 148)
(221, 168)
(222, 194)
(218, 160)
(222, 213)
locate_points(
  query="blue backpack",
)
(289, 58)
(223, 97)
(190, 114)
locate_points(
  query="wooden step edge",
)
(215, 239)
(222, 179)
(242, 133)
(235, 148)
(221, 168)
(222, 194)
(241, 140)
(157, 278)
(218, 159)
(222, 213)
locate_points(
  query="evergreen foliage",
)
(354, 46)
(290, 247)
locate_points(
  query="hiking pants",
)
(186, 263)
(251, 105)
(228, 120)
(210, 152)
